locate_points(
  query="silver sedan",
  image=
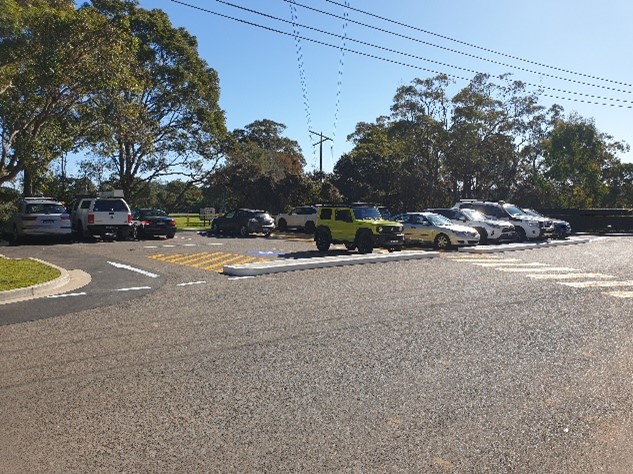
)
(428, 228)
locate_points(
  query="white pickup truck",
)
(101, 216)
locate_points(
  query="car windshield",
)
(513, 210)
(367, 213)
(532, 212)
(438, 219)
(152, 212)
(109, 205)
(384, 213)
(45, 208)
(474, 215)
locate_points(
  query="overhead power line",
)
(471, 45)
(393, 61)
(480, 58)
(302, 76)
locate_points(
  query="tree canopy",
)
(53, 58)
(127, 89)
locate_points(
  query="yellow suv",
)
(357, 227)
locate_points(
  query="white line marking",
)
(168, 246)
(536, 269)
(135, 288)
(83, 293)
(150, 246)
(595, 284)
(137, 270)
(509, 264)
(569, 276)
(620, 294)
(189, 283)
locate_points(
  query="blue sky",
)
(309, 86)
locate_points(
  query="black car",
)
(152, 222)
(244, 222)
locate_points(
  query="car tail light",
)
(65, 217)
(172, 223)
(144, 223)
(91, 218)
(129, 218)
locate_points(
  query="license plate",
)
(48, 221)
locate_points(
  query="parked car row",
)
(469, 222)
(107, 217)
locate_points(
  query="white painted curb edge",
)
(289, 265)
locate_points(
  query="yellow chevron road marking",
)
(236, 259)
(209, 261)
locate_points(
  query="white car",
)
(301, 217)
(39, 217)
(490, 230)
(106, 217)
(527, 227)
(562, 229)
(429, 228)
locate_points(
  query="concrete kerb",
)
(289, 265)
(523, 246)
(66, 281)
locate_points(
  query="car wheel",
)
(171, 236)
(365, 243)
(282, 225)
(442, 242)
(483, 235)
(80, 231)
(243, 231)
(215, 228)
(309, 227)
(323, 240)
(122, 234)
(14, 238)
(522, 237)
(134, 233)
(351, 246)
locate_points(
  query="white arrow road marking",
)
(135, 288)
(83, 293)
(137, 270)
(189, 283)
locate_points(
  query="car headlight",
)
(534, 224)
(379, 229)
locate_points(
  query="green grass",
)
(25, 272)
(189, 221)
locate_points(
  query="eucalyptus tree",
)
(578, 160)
(262, 169)
(52, 59)
(421, 113)
(361, 174)
(490, 126)
(166, 121)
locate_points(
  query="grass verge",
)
(189, 221)
(20, 273)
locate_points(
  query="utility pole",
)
(320, 143)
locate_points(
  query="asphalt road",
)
(448, 364)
